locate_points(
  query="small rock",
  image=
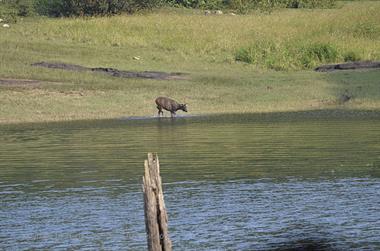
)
(207, 12)
(345, 97)
(6, 26)
(218, 12)
(232, 14)
(1, 20)
(136, 58)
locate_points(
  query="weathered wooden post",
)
(156, 218)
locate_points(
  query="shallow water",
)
(236, 182)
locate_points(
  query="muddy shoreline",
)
(275, 117)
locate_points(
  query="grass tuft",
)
(318, 53)
(351, 56)
(286, 56)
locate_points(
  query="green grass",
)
(204, 46)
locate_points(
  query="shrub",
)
(10, 9)
(54, 8)
(8, 13)
(245, 55)
(351, 56)
(203, 4)
(58, 8)
(315, 53)
(257, 53)
(265, 54)
(310, 4)
(268, 5)
(24, 7)
(241, 6)
(286, 56)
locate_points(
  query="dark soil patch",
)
(115, 72)
(348, 66)
(19, 82)
(63, 66)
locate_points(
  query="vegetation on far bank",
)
(237, 63)
(58, 8)
(286, 39)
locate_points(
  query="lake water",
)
(234, 182)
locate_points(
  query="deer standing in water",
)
(170, 105)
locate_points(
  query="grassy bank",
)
(187, 41)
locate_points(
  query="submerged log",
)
(156, 219)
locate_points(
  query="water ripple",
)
(231, 183)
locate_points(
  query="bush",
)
(8, 13)
(310, 4)
(257, 53)
(24, 7)
(242, 6)
(268, 5)
(52, 8)
(58, 8)
(11, 9)
(287, 56)
(265, 54)
(318, 53)
(351, 56)
(202, 4)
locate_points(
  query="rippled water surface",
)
(237, 182)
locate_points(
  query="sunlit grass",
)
(353, 27)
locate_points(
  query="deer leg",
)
(172, 114)
(160, 110)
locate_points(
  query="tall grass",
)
(283, 40)
(293, 55)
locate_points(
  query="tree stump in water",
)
(156, 219)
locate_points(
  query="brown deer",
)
(170, 105)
